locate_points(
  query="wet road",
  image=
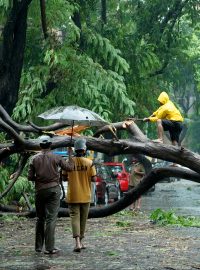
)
(182, 196)
(118, 242)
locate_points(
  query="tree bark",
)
(103, 12)
(14, 39)
(43, 18)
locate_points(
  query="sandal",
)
(54, 251)
(83, 247)
(77, 249)
(38, 250)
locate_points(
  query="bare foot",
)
(173, 165)
(158, 140)
(127, 123)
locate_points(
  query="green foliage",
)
(123, 213)
(164, 218)
(93, 81)
(21, 185)
(112, 253)
(5, 4)
(140, 51)
(4, 176)
(2, 137)
(102, 47)
(15, 194)
(123, 223)
(11, 218)
(32, 83)
(194, 129)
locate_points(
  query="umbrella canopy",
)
(74, 115)
(68, 131)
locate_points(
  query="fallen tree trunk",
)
(131, 196)
(138, 145)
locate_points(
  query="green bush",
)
(162, 217)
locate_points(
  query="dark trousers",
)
(47, 202)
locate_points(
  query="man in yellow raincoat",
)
(168, 118)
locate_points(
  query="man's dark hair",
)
(80, 152)
(45, 145)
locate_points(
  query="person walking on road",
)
(168, 118)
(137, 173)
(44, 172)
(79, 192)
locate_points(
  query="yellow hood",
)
(163, 98)
(167, 110)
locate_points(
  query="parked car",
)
(117, 171)
(107, 188)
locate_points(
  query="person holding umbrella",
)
(79, 192)
(44, 172)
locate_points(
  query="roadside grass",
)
(165, 218)
(123, 223)
(112, 253)
(11, 218)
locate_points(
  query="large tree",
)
(103, 55)
(12, 52)
(99, 54)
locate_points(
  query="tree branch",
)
(18, 172)
(131, 196)
(133, 130)
(9, 130)
(28, 128)
(43, 18)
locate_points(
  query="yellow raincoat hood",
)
(167, 110)
(163, 98)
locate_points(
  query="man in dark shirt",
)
(44, 171)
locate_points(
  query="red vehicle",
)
(107, 189)
(101, 183)
(117, 170)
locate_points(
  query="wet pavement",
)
(182, 196)
(125, 241)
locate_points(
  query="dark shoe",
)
(77, 249)
(38, 250)
(54, 251)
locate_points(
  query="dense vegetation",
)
(113, 57)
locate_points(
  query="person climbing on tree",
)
(168, 118)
